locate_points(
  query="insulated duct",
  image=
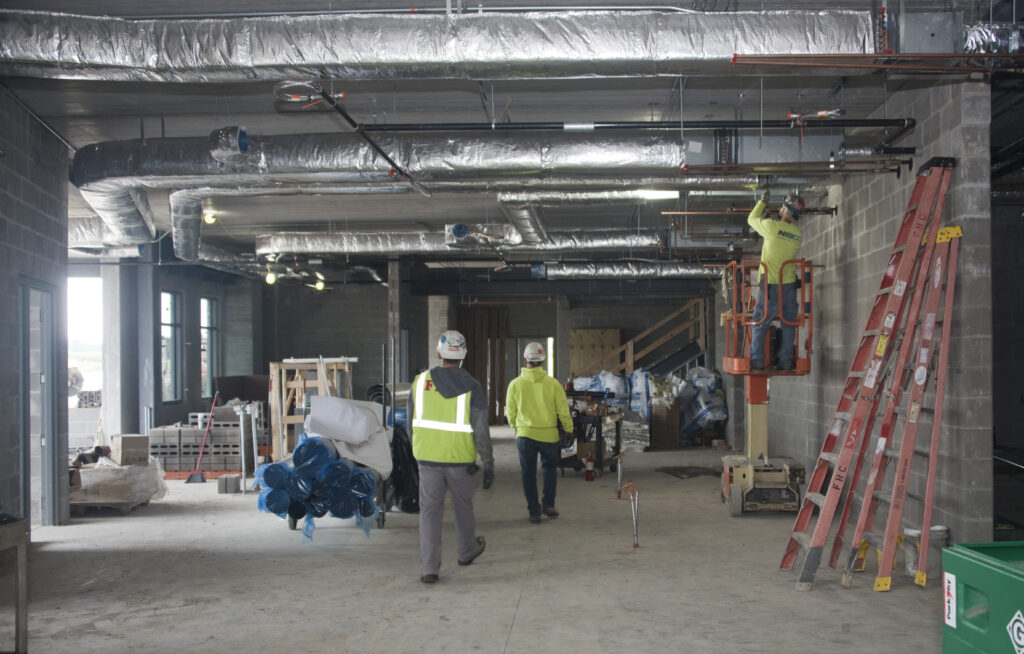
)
(624, 270)
(187, 206)
(527, 220)
(111, 175)
(434, 242)
(993, 38)
(484, 45)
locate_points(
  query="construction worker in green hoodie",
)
(534, 405)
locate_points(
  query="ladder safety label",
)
(915, 410)
(872, 376)
(937, 275)
(929, 326)
(880, 446)
(890, 320)
(949, 598)
(901, 288)
(920, 375)
(883, 341)
(923, 356)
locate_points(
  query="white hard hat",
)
(452, 345)
(534, 352)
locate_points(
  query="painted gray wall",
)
(852, 250)
(33, 246)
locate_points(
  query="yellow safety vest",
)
(441, 430)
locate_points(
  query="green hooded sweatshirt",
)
(534, 404)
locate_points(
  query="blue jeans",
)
(771, 309)
(528, 451)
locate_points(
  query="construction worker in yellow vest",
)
(447, 409)
(535, 404)
(782, 240)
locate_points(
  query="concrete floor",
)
(199, 571)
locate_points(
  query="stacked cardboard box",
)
(129, 449)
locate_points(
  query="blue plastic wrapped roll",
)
(343, 504)
(299, 488)
(318, 507)
(320, 491)
(274, 475)
(363, 482)
(296, 510)
(336, 474)
(274, 501)
(312, 454)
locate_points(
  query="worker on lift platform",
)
(782, 240)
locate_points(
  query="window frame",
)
(171, 350)
(209, 344)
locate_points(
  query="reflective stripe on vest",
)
(441, 429)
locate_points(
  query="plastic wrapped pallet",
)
(108, 484)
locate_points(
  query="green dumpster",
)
(983, 598)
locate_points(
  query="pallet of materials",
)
(119, 487)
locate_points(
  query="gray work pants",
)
(433, 482)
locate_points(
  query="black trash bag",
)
(405, 474)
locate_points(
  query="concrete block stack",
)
(178, 447)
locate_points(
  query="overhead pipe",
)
(625, 270)
(472, 46)
(641, 125)
(426, 243)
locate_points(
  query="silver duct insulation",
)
(187, 207)
(554, 198)
(555, 44)
(124, 211)
(461, 236)
(993, 37)
(88, 233)
(625, 270)
(111, 175)
(527, 220)
(434, 242)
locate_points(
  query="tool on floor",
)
(198, 477)
(859, 400)
(634, 506)
(914, 362)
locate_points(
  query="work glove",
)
(765, 195)
(488, 476)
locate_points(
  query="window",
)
(170, 346)
(209, 344)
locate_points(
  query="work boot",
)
(429, 579)
(480, 545)
(534, 519)
(550, 512)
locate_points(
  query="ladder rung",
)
(815, 498)
(802, 538)
(831, 457)
(902, 410)
(870, 332)
(886, 496)
(842, 415)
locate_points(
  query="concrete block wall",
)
(350, 320)
(33, 247)
(852, 250)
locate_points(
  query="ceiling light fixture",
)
(319, 285)
(209, 217)
(271, 277)
(319, 275)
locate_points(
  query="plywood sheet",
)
(588, 346)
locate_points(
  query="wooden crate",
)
(289, 379)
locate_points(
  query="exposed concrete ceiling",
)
(577, 68)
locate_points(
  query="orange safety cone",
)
(590, 468)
